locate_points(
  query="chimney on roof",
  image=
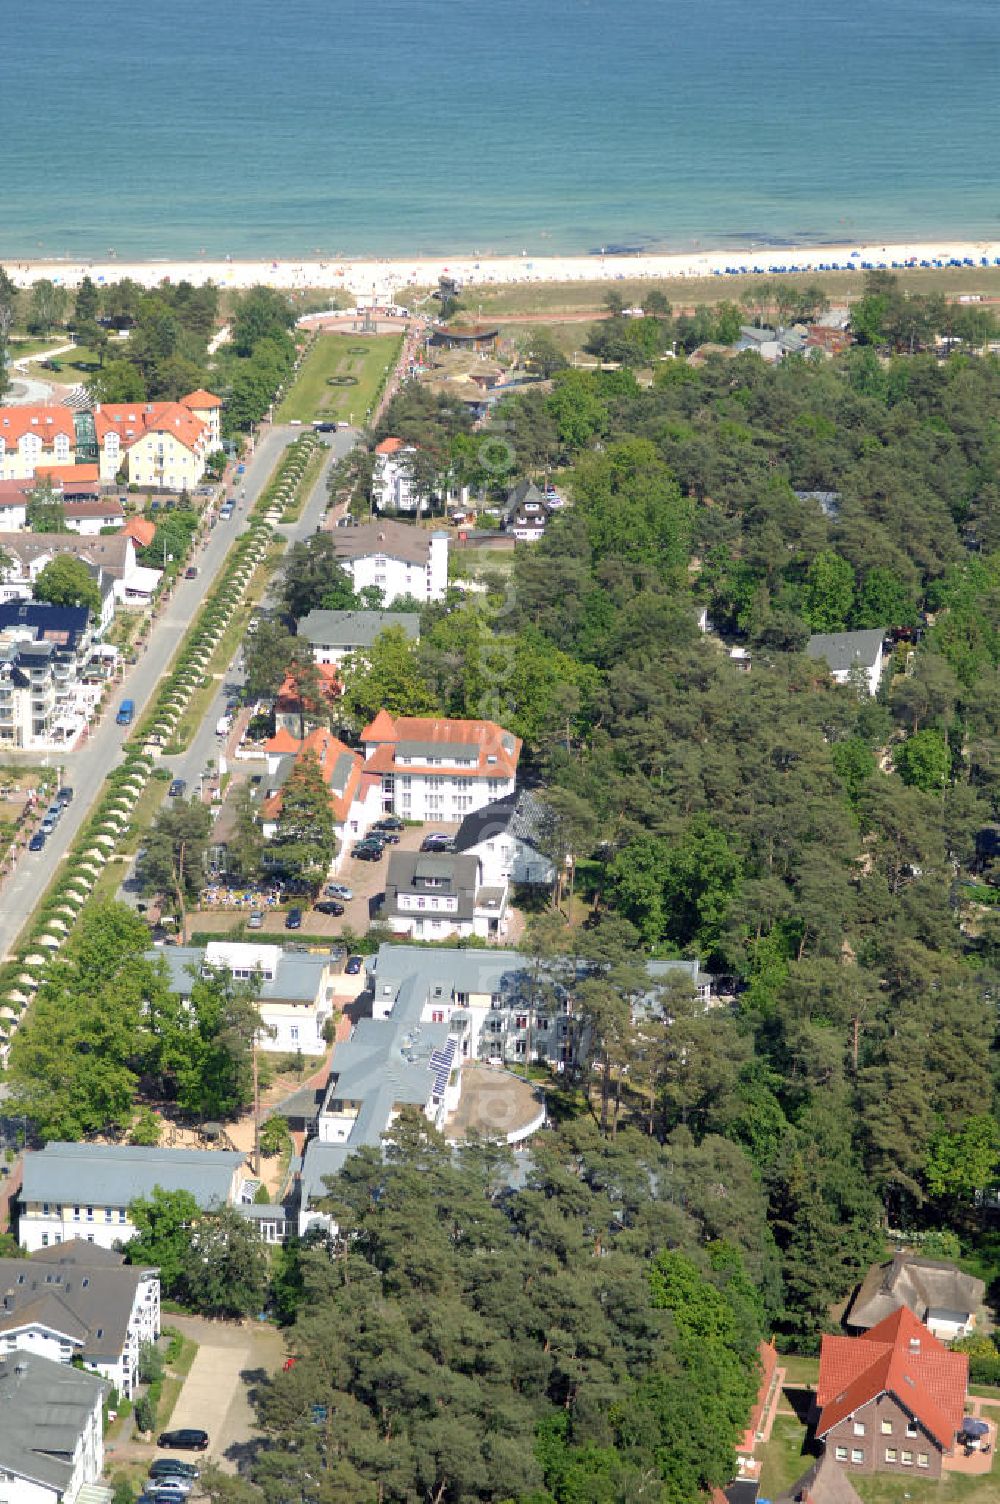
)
(914, 1344)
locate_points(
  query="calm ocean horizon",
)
(378, 128)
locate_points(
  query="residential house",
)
(507, 837)
(14, 505)
(437, 769)
(78, 1301)
(394, 487)
(295, 990)
(207, 408)
(527, 512)
(161, 444)
(772, 345)
(891, 1400)
(85, 1190)
(31, 436)
(88, 519)
(111, 560)
(51, 1430)
(334, 634)
(355, 791)
(141, 530)
(292, 713)
(79, 482)
(844, 652)
(396, 558)
(941, 1296)
(437, 895)
(44, 654)
(825, 1482)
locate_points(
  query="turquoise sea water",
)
(378, 127)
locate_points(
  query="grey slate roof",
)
(116, 1174)
(521, 815)
(434, 874)
(355, 629)
(88, 1300)
(842, 650)
(296, 980)
(44, 1407)
(919, 1284)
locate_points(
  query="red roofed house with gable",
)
(355, 794)
(892, 1400)
(436, 769)
(35, 435)
(164, 444)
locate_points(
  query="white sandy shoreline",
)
(387, 280)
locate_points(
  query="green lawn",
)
(949, 1489)
(784, 1458)
(77, 365)
(363, 357)
(799, 1371)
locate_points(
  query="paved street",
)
(86, 769)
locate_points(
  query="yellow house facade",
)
(161, 444)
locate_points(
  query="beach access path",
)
(86, 769)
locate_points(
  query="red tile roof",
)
(390, 446)
(287, 699)
(46, 421)
(200, 400)
(327, 750)
(493, 742)
(898, 1356)
(71, 473)
(133, 420)
(111, 508)
(141, 530)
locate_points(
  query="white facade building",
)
(397, 558)
(847, 652)
(393, 486)
(332, 635)
(78, 1301)
(437, 769)
(85, 1190)
(51, 1430)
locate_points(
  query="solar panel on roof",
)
(440, 1064)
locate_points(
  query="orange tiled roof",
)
(133, 420)
(81, 473)
(898, 1356)
(492, 741)
(140, 530)
(46, 421)
(326, 672)
(200, 400)
(281, 742)
(390, 446)
(328, 750)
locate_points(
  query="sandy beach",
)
(387, 281)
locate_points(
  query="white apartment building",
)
(51, 1430)
(437, 769)
(393, 486)
(396, 558)
(332, 635)
(85, 1190)
(296, 991)
(78, 1301)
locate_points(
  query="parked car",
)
(165, 1487)
(191, 573)
(387, 837)
(330, 907)
(54, 812)
(65, 795)
(187, 1439)
(177, 788)
(354, 965)
(161, 1496)
(255, 920)
(436, 841)
(165, 1467)
(367, 851)
(389, 822)
(293, 919)
(48, 825)
(339, 890)
(37, 841)
(325, 427)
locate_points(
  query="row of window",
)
(108, 1212)
(886, 1427)
(902, 1456)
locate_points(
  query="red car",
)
(288, 1363)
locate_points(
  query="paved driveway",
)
(216, 1393)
